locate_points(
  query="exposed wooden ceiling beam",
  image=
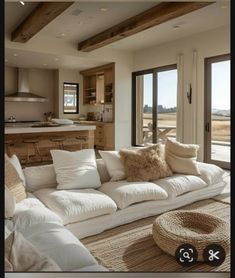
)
(43, 14)
(160, 13)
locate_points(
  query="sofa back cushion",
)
(38, 177)
(102, 170)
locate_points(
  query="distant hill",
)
(160, 109)
(221, 112)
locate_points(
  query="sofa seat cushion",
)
(76, 205)
(210, 173)
(61, 245)
(125, 193)
(31, 211)
(180, 184)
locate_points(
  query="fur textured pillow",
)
(145, 164)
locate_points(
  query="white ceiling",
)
(91, 21)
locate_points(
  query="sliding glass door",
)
(154, 99)
(217, 110)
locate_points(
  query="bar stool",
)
(8, 144)
(32, 144)
(58, 142)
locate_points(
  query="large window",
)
(71, 98)
(217, 110)
(154, 105)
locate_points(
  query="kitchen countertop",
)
(28, 129)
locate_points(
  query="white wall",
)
(207, 44)
(41, 82)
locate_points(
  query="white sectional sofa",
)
(54, 220)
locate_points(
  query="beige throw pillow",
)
(145, 164)
(9, 203)
(13, 181)
(182, 158)
(21, 255)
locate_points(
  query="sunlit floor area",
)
(220, 152)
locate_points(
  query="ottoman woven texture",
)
(174, 228)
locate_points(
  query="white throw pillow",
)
(16, 163)
(76, 169)
(38, 177)
(9, 203)
(113, 164)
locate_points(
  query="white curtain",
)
(139, 108)
(194, 98)
(180, 98)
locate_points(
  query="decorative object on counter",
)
(11, 119)
(48, 116)
(82, 117)
(62, 121)
(90, 116)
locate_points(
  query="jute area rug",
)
(130, 247)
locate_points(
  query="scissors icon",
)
(213, 255)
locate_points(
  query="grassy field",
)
(220, 125)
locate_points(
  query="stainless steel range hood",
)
(23, 94)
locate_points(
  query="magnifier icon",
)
(186, 255)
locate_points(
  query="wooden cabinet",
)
(98, 85)
(104, 136)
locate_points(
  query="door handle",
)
(207, 127)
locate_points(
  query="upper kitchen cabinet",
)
(98, 85)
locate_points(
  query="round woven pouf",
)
(174, 228)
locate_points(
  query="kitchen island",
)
(32, 145)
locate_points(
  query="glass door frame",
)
(207, 110)
(154, 71)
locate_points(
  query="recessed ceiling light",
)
(61, 35)
(22, 3)
(44, 65)
(224, 6)
(15, 54)
(103, 9)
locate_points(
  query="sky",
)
(167, 87)
(221, 85)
